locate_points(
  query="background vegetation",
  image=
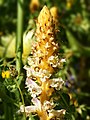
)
(17, 20)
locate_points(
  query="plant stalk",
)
(19, 41)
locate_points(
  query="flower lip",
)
(28, 109)
(57, 113)
(57, 83)
(48, 105)
(33, 87)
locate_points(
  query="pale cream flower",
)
(31, 109)
(54, 61)
(57, 83)
(47, 105)
(33, 88)
(57, 114)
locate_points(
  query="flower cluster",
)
(43, 63)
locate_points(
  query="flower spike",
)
(42, 65)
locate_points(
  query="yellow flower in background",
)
(34, 5)
(69, 3)
(6, 74)
(54, 12)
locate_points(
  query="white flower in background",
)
(29, 35)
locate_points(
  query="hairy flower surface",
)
(43, 63)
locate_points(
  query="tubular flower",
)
(43, 63)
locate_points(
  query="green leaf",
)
(72, 116)
(31, 117)
(2, 49)
(65, 99)
(5, 97)
(76, 46)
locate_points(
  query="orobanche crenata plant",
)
(42, 65)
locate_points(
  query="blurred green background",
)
(74, 37)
